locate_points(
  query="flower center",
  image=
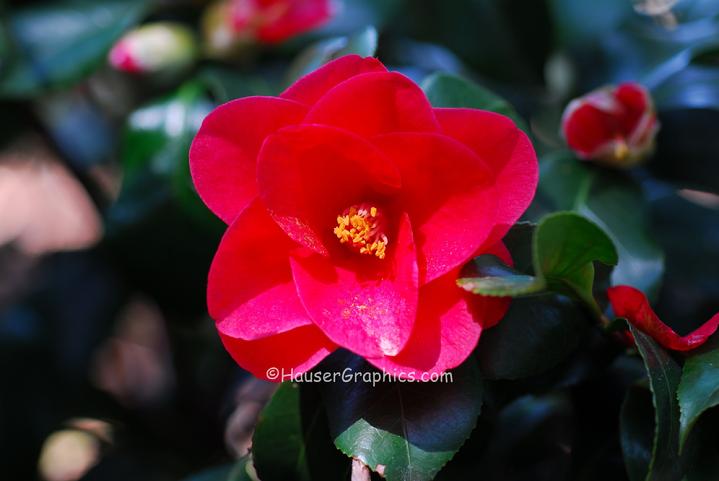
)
(362, 228)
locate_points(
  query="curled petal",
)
(447, 191)
(250, 291)
(633, 305)
(448, 327)
(506, 150)
(363, 304)
(309, 174)
(311, 87)
(375, 103)
(223, 156)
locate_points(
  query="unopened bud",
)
(615, 126)
(161, 47)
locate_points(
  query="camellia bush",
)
(310, 240)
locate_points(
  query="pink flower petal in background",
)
(44, 208)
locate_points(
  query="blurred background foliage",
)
(106, 349)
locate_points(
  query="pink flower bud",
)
(615, 126)
(159, 47)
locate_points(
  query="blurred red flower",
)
(273, 21)
(352, 205)
(632, 304)
(614, 125)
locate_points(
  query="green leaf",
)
(664, 375)
(699, 386)
(58, 43)
(363, 44)
(535, 335)
(291, 440)
(614, 202)
(530, 435)
(445, 90)
(565, 247)
(406, 430)
(155, 154)
(491, 277)
(636, 427)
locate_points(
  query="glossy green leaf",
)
(565, 248)
(58, 43)
(363, 43)
(491, 277)
(155, 154)
(544, 422)
(636, 427)
(444, 90)
(664, 376)
(291, 440)
(405, 430)
(614, 202)
(699, 386)
(535, 335)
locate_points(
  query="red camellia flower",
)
(633, 305)
(352, 206)
(614, 125)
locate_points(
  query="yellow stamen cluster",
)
(362, 227)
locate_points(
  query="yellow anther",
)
(362, 227)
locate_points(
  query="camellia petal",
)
(280, 357)
(632, 304)
(449, 195)
(314, 85)
(364, 304)
(250, 291)
(506, 150)
(375, 103)
(449, 323)
(309, 174)
(223, 155)
(635, 101)
(591, 123)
